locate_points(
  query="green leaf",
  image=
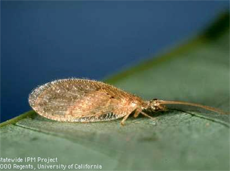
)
(196, 71)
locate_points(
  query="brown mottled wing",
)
(79, 100)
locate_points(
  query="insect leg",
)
(124, 119)
(137, 112)
(143, 113)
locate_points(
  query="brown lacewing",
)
(82, 100)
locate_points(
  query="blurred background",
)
(44, 41)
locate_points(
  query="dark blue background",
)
(43, 41)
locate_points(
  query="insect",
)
(82, 100)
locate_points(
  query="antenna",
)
(192, 104)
